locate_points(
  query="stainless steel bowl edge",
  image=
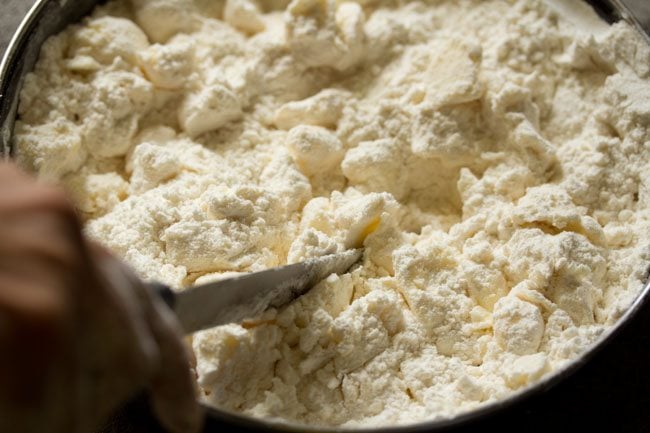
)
(44, 19)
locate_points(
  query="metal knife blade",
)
(235, 299)
(638, 11)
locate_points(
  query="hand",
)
(79, 334)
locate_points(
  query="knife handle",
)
(164, 292)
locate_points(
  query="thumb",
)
(173, 390)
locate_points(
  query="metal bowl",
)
(48, 17)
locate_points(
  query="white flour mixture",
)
(492, 157)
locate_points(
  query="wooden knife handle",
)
(164, 292)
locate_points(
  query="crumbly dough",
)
(492, 157)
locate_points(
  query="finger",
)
(22, 194)
(120, 351)
(173, 393)
(40, 263)
(34, 340)
(41, 234)
(173, 388)
(32, 301)
(121, 290)
(9, 172)
(35, 336)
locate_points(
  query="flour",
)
(491, 157)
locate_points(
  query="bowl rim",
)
(610, 10)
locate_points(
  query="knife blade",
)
(234, 299)
(637, 11)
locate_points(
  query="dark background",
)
(611, 393)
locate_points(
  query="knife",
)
(638, 12)
(234, 299)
